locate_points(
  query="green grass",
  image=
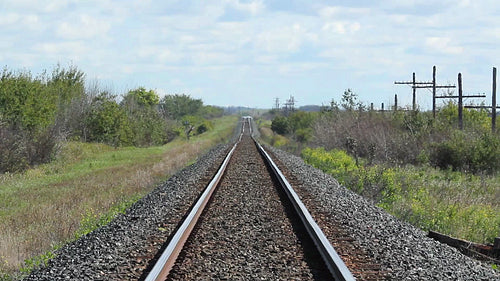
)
(461, 205)
(84, 188)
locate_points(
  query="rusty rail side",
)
(335, 264)
(168, 257)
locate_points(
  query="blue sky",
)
(235, 52)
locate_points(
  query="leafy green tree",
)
(210, 111)
(148, 126)
(142, 97)
(177, 106)
(25, 101)
(300, 120)
(280, 125)
(108, 122)
(67, 84)
(193, 125)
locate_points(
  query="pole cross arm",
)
(437, 87)
(480, 106)
(455, 97)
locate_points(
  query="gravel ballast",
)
(402, 249)
(123, 249)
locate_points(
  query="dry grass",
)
(44, 206)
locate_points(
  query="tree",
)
(300, 120)
(177, 106)
(26, 102)
(350, 101)
(280, 125)
(67, 84)
(108, 122)
(147, 124)
(142, 97)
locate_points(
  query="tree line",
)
(39, 112)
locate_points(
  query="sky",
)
(247, 53)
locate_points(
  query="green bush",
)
(178, 106)
(280, 125)
(444, 201)
(335, 162)
(468, 152)
(108, 122)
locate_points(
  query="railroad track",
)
(248, 224)
(248, 231)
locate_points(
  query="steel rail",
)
(335, 264)
(168, 257)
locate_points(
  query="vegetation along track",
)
(250, 230)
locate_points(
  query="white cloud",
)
(329, 12)
(85, 27)
(443, 45)
(159, 53)
(152, 39)
(253, 7)
(283, 39)
(213, 58)
(9, 19)
(341, 27)
(74, 50)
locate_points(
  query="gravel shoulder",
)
(403, 250)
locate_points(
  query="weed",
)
(36, 261)
(92, 220)
(447, 201)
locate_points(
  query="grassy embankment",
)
(455, 203)
(54, 203)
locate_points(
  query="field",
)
(53, 203)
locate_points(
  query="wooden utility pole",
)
(434, 92)
(460, 98)
(413, 84)
(494, 105)
(395, 102)
(460, 103)
(414, 100)
(425, 85)
(494, 101)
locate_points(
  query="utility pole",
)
(289, 105)
(414, 100)
(434, 92)
(494, 101)
(494, 105)
(460, 101)
(413, 84)
(426, 85)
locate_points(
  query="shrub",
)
(20, 149)
(335, 162)
(468, 152)
(108, 122)
(280, 125)
(178, 106)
